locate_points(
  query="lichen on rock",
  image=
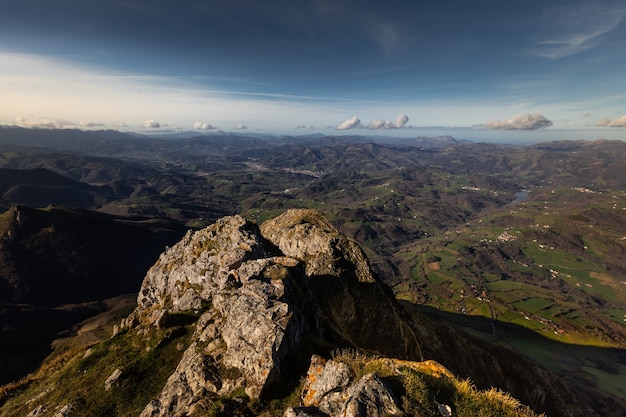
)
(257, 292)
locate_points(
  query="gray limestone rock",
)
(308, 236)
(255, 297)
(330, 390)
(112, 379)
(187, 275)
(324, 378)
(369, 397)
(248, 326)
(38, 411)
(195, 377)
(259, 331)
(65, 411)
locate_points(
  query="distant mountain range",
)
(113, 143)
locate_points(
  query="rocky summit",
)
(285, 318)
(258, 295)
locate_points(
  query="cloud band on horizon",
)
(520, 122)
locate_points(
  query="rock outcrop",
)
(330, 389)
(308, 236)
(258, 292)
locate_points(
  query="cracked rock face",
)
(247, 327)
(189, 274)
(308, 236)
(258, 291)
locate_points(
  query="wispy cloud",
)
(47, 92)
(383, 33)
(240, 126)
(44, 123)
(520, 122)
(619, 122)
(573, 29)
(119, 125)
(88, 124)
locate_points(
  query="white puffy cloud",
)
(151, 124)
(352, 123)
(355, 123)
(400, 122)
(44, 123)
(520, 122)
(240, 126)
(619, 122)
(203, 126)
(379, 124)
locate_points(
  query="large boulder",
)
(307, 235)
(330, 388)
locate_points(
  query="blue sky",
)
(531, 70)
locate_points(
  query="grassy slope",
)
(76, 372)
(553, 265)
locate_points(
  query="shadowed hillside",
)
(56, 265)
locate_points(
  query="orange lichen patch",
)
(429, 367)
(433, 368)
(308, 393)
(308, 400)
(285, 261)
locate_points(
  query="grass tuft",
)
(421, 386)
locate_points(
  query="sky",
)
(500, 71)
